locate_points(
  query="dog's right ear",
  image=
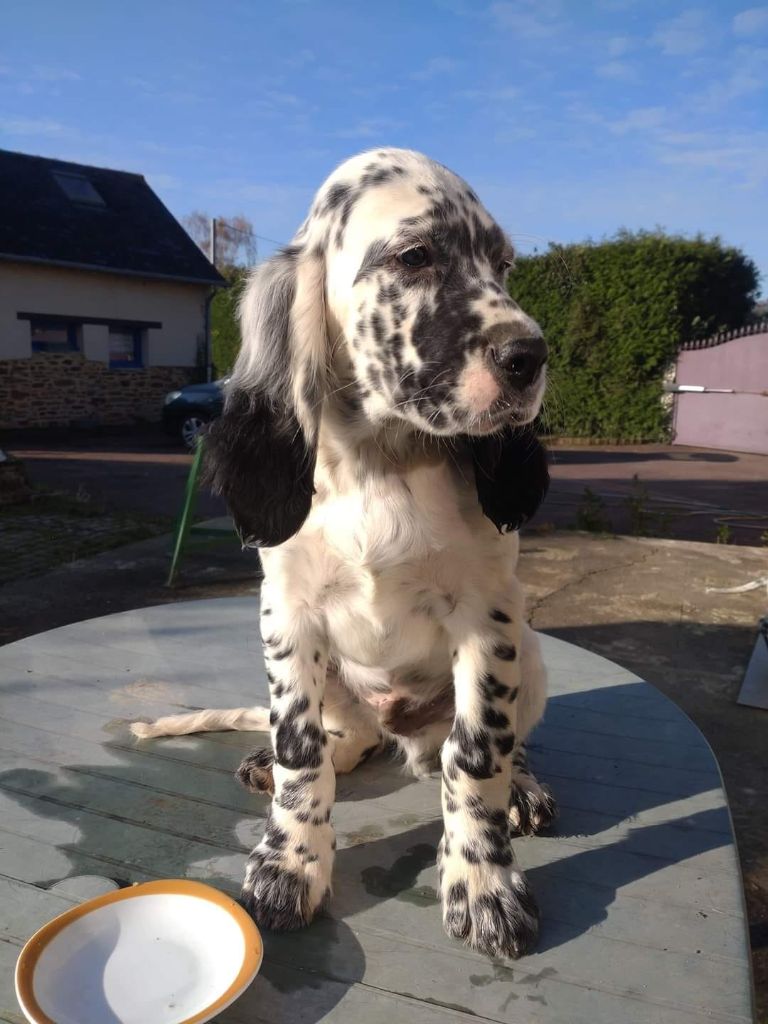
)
(511, 474)
(260, 454)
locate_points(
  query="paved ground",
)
(687, 493)
(140, 470)
(641, 602)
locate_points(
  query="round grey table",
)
(638, 882)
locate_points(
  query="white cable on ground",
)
(743, 589)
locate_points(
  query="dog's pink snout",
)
(480, 388)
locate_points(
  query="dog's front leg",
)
(288, 875)
(486, 900)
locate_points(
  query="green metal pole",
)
(185, 519)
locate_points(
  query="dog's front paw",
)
(284, 889)
(532, 807)
(489, 907)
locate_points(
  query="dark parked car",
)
(186, 411)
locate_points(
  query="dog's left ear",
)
(512, 476)
(260, 454)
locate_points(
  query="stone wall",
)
(60, 389)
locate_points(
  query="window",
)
(125, 348)
(49, 336)
(77, 188)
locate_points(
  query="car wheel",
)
(190, 427)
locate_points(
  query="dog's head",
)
(390, 305)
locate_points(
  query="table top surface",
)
(638, 882)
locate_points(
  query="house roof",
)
(53, 211)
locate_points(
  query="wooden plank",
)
(228, 687)
(398, 961)
(53, 679)
(181, 750)
(173, 815)
(600, 723)
(111, 839)
(645, 751)
(196, 782)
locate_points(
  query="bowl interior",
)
(162, 957)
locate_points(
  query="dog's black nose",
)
(521, 359)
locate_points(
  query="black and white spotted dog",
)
(374, 447)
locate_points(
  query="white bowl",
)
(169, 952)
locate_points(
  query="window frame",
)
(71, 328)
(137, 361)
(68, 182)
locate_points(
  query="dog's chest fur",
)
(387, 560)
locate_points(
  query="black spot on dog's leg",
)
(473, 750)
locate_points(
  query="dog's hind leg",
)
(532, 806)
(353, 733)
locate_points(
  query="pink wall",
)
(737, 422)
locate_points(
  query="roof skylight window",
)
(77, 188)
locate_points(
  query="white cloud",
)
(285, 99)
(434, 67)
(616, 69)
(688, 33)
(50, 74)
(300, 59)
(744, 156)
(746, 73)
(511, 135)
(501, 95)
(369, 128)
(641, 119)
(751, 21)
(532, 18)
(31, 126)
(164, 182)
(39, 78)
(617, 46)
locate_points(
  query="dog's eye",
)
(414, 258)
(505, 266)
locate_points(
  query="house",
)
(103, 296)
(722, 399)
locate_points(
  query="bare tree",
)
(235, 238)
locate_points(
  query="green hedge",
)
(225, 329)
(614, 314)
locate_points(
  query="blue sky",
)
(572, 119)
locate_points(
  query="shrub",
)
(614, 315)
(225, 329)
